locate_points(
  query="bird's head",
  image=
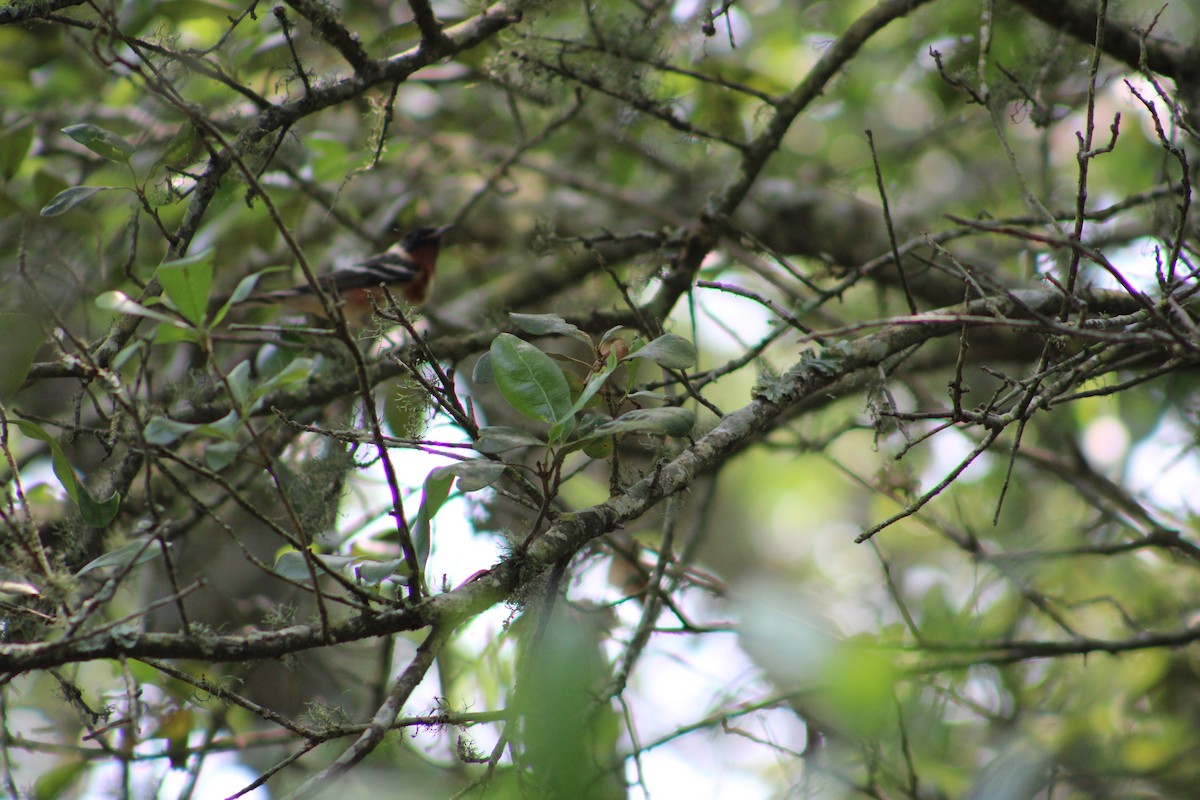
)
(424, 237)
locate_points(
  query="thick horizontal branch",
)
(999, 653)
(1122, 42)
(23, 12)
(570, 532)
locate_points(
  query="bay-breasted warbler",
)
(406, 268)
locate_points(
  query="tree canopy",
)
(806, 404)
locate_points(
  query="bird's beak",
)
(442, 231)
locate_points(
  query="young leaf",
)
(124, 304)
(433, 495)
(593, 385)
(225, 428)
(160, 430)
(179, 146)
(530, 381)
(57, 781)
(499, 438)
(669, 350)
(14, 146)
(482, 374)
(611, 333)
(67, 199)
(220, 455)
(376, 572)
(188, 282)
(547, 325)
(296, 370)
(95, 513)
(21, 335)
(666, 421)
(239, 383)
(98, 513)
(139, 551)
(475, 474)
(243, 290)
(101, 142)
(292, 564)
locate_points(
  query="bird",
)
(406, 267)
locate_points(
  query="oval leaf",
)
(136, 552)
(433, 495)
(548, 325)
(14, 146)
(530, 380)
(160, 430)
(97, 513)
(482, 373)
(102, 142)
(124, 304)
(292, 564)
(668, 421)
(67, 199)
(669, 350)
(21, 335)
(188, 283)
(220, 455)
(473, 475)
(499, 439)
(376, 572)
(179, 146)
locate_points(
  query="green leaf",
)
(163, 431)
(668, 421)
(593, 385)
(95, 513)
(548, 325)
(291, 564)
(169, 334)
(296, 370)
(499, 439)
(188, 283)
(594, 446)
(600, 448)
(124, 304)
(14, 146)
(611, 333)
(57, 781)
(433, 495)
(98, 513)
(160, 430)
(483, 374)
(225, 428)
(239, 384)
(219, 455)
(475, 474)
(179, 146)
(243, 290)
(376, 572)
(102, 142)
(20, 337)
(669, 350)
(472, 476)
(67, 199)
(530, 381)
(139, 551)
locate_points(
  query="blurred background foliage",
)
(1027, 632)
